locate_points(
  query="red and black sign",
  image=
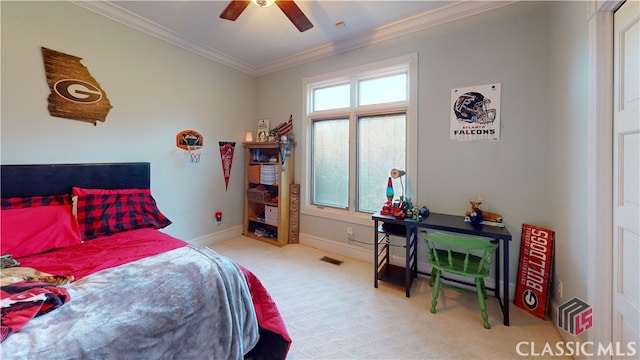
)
(534, 271)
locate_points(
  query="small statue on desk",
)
(386, 208)
(424, 212)
(418, 214)
(397, 208)
(476, 216)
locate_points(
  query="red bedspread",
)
(274, 339)
(103, 253)
(115, 250)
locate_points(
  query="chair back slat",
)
(460, 254)
(466, 261)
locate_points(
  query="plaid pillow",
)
(33, 201)
(106, 212)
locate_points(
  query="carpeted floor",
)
(334, 312)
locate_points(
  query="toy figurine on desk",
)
(402, 208)
(388, 206)
(395, 209)
(478, 217)
(420, 214)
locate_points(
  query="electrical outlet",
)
(559, 284)
(349, 233)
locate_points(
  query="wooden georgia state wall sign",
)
(75, 94)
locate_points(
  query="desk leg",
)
(496, 267)
(414, 268)
(505, 283)
(375, 254)
(407, 260)
(503, 299)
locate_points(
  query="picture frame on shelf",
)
(263, 130)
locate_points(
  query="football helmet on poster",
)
(472, 107)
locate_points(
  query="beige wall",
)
(156, 90)
(509, 45)
(568, 84)
(535, 174)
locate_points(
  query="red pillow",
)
(32, 201)
(106, 212)
(28, 231)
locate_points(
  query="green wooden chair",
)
(465, 256)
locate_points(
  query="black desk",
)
(451, 223)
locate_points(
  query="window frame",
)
(408, 64)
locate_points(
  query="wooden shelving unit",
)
(267, 191)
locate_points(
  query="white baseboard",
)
(335, 247)
(217, 236)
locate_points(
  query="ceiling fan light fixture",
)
(263, 3)
(288, 7)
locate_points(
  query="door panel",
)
(626, 175)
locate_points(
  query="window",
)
(382, 90)
(330, 158)
(360, 123)
(381, 147)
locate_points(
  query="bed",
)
(132, 291)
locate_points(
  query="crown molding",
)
(445, 14)
(114, 12)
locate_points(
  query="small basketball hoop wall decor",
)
(191, 141)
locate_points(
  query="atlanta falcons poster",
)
(475, 113)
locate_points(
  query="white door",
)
(626, 177)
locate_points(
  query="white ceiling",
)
(263, 40)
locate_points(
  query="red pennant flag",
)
(226, 155)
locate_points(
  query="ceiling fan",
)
(288, 7)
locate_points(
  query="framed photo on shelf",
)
(263, 130)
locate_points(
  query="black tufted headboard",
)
(52, 179)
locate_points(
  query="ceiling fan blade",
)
(234, 9)
(294, 14)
